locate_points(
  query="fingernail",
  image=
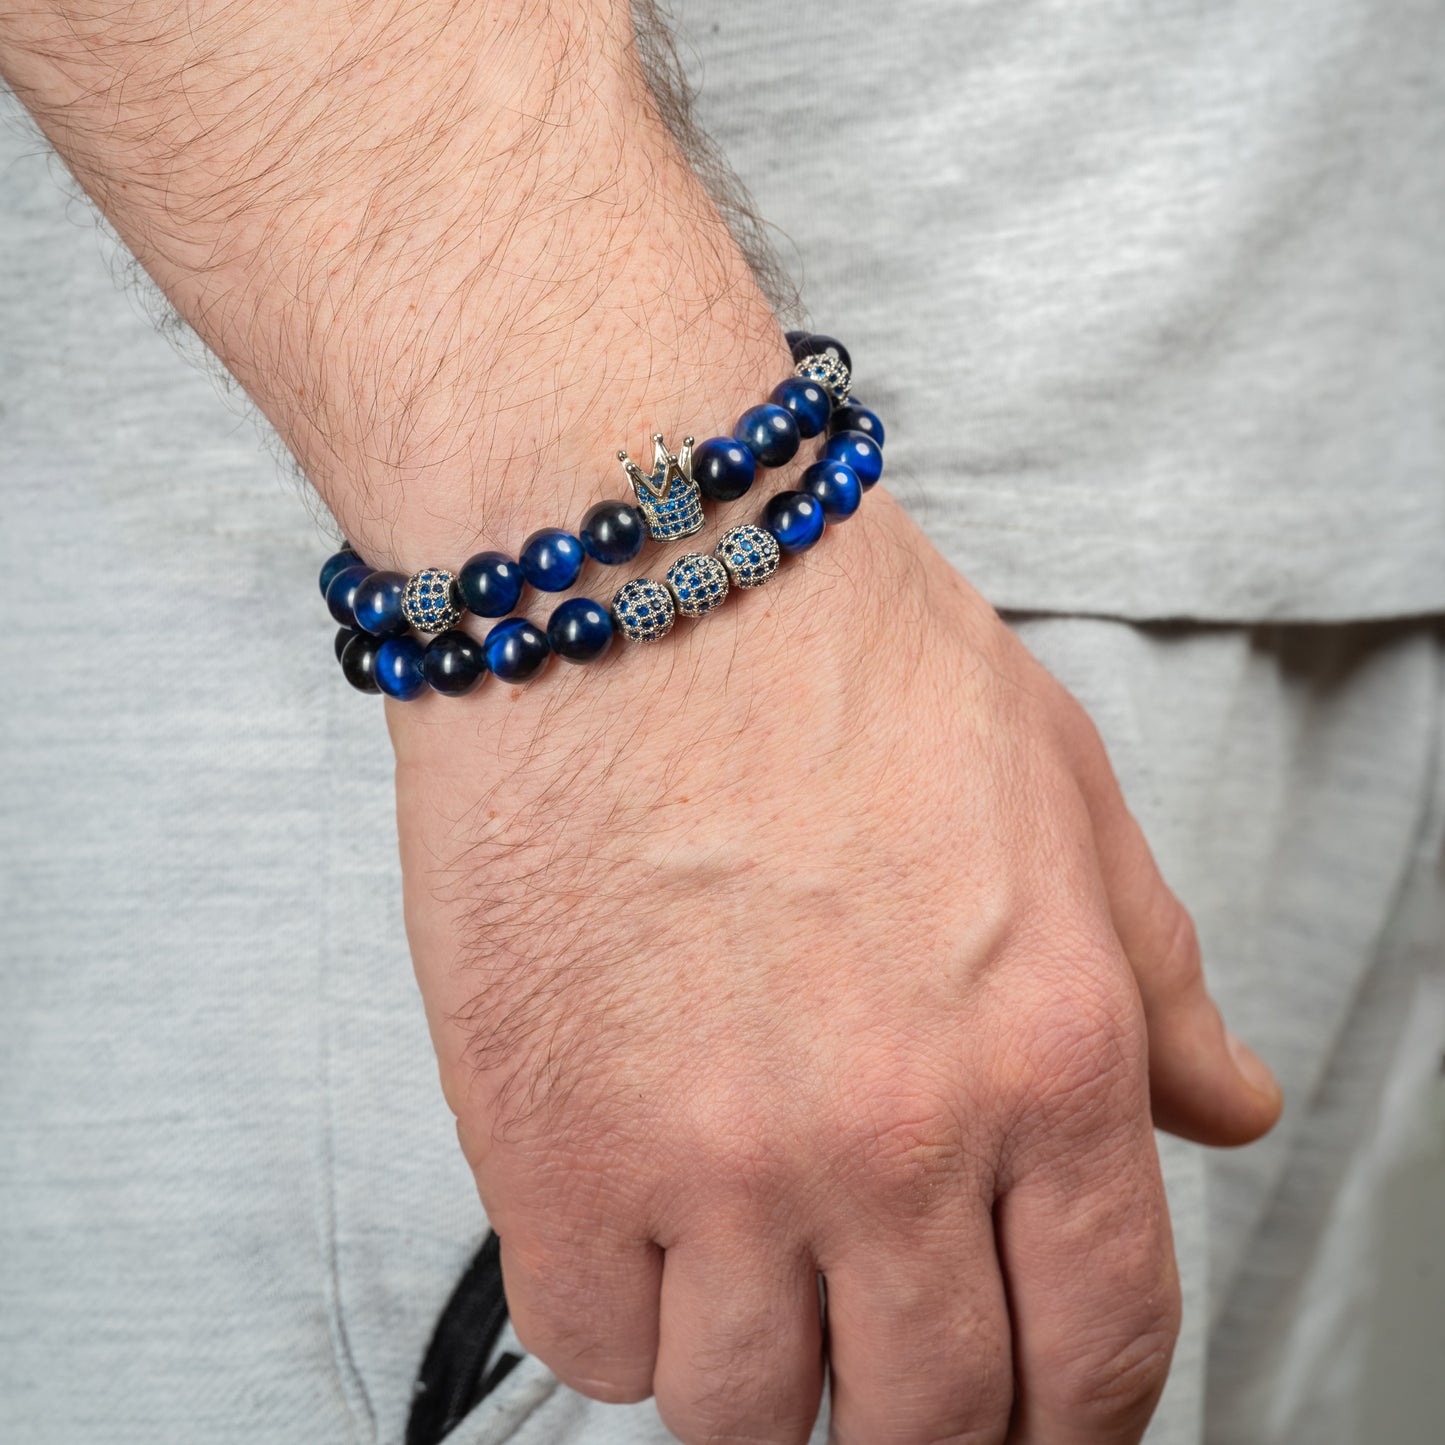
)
(1252, 1069)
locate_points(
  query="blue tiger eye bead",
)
(377, 604)
(723, 467)
(805, 401)
(852, 417)
(793, 338)
(452, 663)
(612, 533)
(397, 669)
(341, 594)
(836, 486)
(816, 344)
(358, 662)
(769, 433)
(343, 636)
(515, 649)
(795, 519)
(579, 629)
(490, 583)
(857, 451)
(335, 563)
(551, 559)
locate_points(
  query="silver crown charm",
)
(668, 498)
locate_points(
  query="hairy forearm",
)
(449, 249)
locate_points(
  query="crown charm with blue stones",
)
(668, 498)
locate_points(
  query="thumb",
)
(1204, 1084)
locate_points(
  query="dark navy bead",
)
(334, 564)
(793, 337)
(859, 452)
(341, 594)
(579, 629)
(612, 533)
(398, 668)
(795, 519)
(807, 403)
(358, 662)
(769, 433)
(817, 344)
(377, 604)
(853, 417)
(343, 636)
(515, 649)
(490, 583)
(723, 467)
(453, 663)
(836, 485)
(551, 559)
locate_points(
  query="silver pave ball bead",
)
(431, 602)
(827, 369)
(749, 553)
(698, 584)
(643, 610)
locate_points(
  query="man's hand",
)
(816, 938)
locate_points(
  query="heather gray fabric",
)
(231, 1203)
(1152, 297)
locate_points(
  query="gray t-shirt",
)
(1151, 297)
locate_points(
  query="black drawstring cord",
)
(452, 1381)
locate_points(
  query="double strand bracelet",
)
(378, 610)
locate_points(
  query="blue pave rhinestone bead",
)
(836, 486)
(579, 629)
(341, 594)
(698, 584)
(490, 584)
(515, 649)
(853, 417)
(749, 553)
(397, 669)
(377, 604)
(358, 662)
(769, 433)
(857, 451)
(334, 564)
(724, 468)
(453, 663)
(612, 533)
(795, 519)
(551, 559)
(805, 401)
(643, 610)
(431, 602)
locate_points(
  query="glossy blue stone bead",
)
(794, 337)
(853, 417)
(398, 668)
(515, 649)
(816, 344)
(769, 433)
(358, 661)
(551, 559)
(490, 583)
(579, 629)
(806, 401)
(343, 636)
(612, 533)
(836, 486)
(334, 564)
(453, 663)
(723, 467)
(858, 451)
(795, 519)
(341, 594)
(377, 604)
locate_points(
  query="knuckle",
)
(1119, 1384)
(1180, 967)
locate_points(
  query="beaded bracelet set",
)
(378, 610)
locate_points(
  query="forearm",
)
(450, 250)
